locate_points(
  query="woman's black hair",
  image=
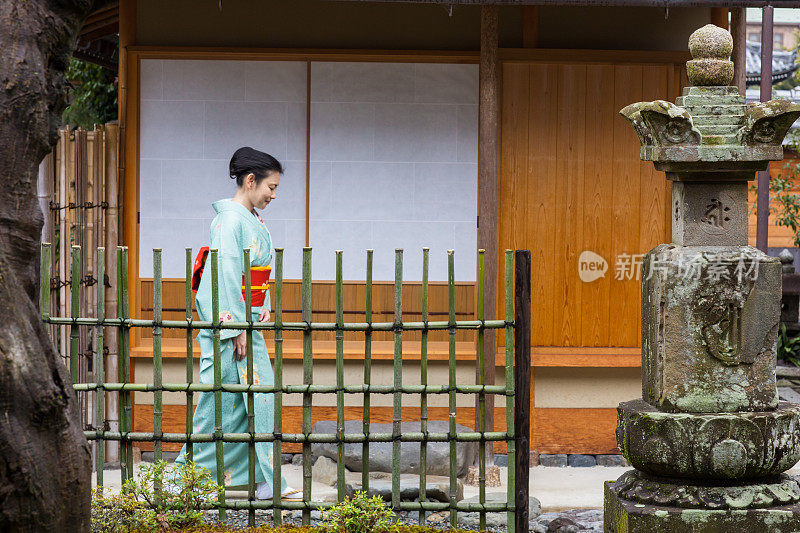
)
(248, 160)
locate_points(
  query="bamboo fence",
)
(516, 389)
(78, 192)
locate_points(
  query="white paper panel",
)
(393, 165)
(194, 115)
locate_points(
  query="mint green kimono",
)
(233, 230)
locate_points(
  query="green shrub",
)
(788, 347)
(145, 504)
(360, 514)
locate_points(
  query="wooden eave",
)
(605, 3)
(97, 37)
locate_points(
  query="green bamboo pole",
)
(44, 285)
(251, 416)
(404, 506)
(451, 298)
(509, 385)
(74, 333)
(423, 424)
(339, 380)
(398, 376)
(417, 437)
(220, 460)
(158, 409)
(287, 326)
(308, 378)
(296, 389)
(124, 359)
(367, 376)
(121, 364)
(98, 363)
(481, 395)
(277, 452)
(189, 354)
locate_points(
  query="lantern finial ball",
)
(711, 48)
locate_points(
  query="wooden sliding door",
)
(571, 182)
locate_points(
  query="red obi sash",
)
(259, 278)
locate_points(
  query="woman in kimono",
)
(237, 226)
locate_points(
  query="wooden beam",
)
(739, 32)
(530, 27)
(487, 185)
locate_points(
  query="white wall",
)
(194, 115)
(393, 159)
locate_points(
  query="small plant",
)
(159, 497)
(788, 347)
(359, 514)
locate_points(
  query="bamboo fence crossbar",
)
(517, 377)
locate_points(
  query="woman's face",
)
(263, 192)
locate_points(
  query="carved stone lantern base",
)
(716, 515)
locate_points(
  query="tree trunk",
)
(45, 473)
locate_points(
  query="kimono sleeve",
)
(227, 238)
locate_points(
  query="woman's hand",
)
(240, 342)
(240, 346)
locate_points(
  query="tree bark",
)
(45, 472)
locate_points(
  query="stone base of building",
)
(626, 516)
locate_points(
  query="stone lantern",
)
(709, 439)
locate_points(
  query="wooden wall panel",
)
(598, 202)
(570, 155)
(624, 310)
(556, 430)
(537, 186)
(571, 181)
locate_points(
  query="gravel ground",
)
(569, 521)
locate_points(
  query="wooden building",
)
(404, 125)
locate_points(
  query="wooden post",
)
(127, 181)
(739, 32)
(719, 17)
(762, 200)
(522, 383)
(487, 193)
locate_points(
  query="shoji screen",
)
(393, 159)
(194, 115)
(393, 165)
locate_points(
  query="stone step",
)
(380, 484)
(714, 90)
(698, 110)
(718, 120)
(789, 394)
(710, 100)
(728, 129)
